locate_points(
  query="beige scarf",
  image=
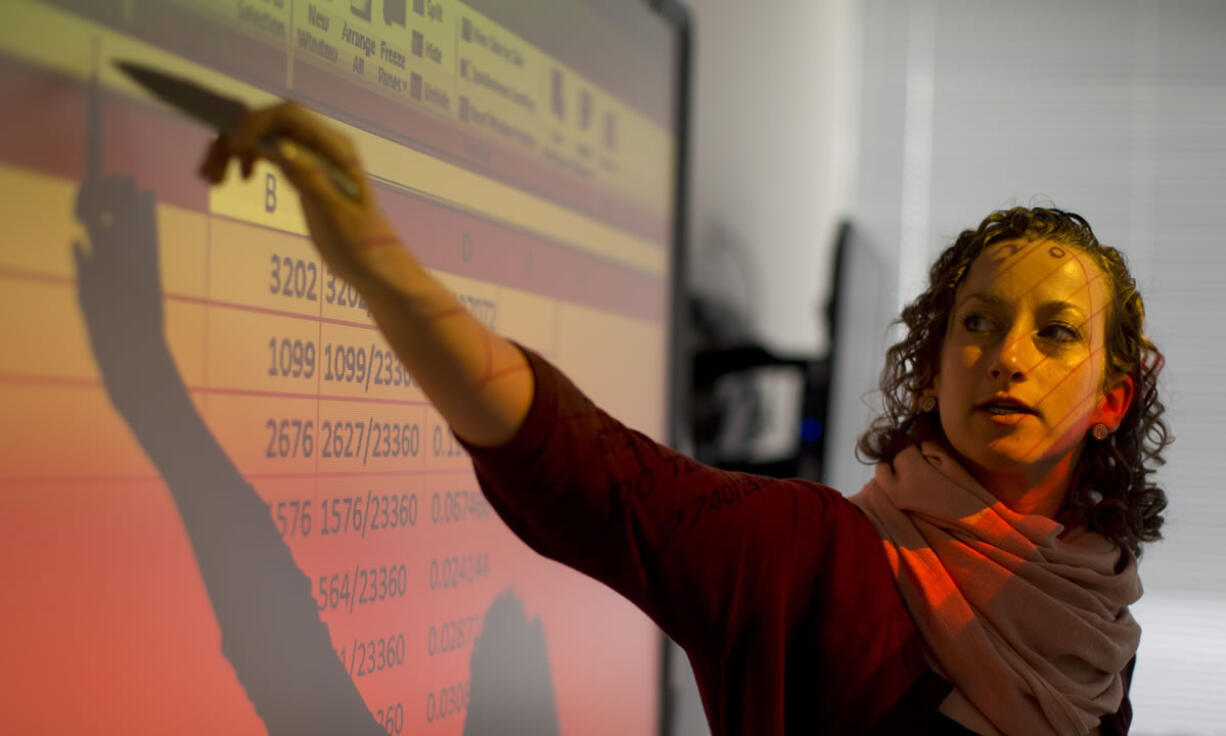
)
(1032, 628)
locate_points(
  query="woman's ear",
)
(1114, 403)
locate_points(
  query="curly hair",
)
(1111, 490)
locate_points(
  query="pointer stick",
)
(222, 114)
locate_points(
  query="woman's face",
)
(1021, 374)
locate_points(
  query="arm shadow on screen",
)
(271, 631)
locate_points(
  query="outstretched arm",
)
(478, 381)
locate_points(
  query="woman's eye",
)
(1060, 332)
(977, 323)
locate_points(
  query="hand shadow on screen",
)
(271, 633)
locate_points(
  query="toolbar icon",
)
(557, 100)
(610, 131)
(394, 12)
(585, 109)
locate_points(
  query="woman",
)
(981, 581)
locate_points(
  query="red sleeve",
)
(704, 552)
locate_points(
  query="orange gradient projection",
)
(214, 472)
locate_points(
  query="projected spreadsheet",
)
(540, 200)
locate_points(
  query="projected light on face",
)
(1021, 377)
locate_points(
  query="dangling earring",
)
(928, 403)
(1100, 431)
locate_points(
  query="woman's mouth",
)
(1005, 410)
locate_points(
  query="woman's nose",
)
(1015, 357)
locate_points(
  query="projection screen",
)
(224, 505)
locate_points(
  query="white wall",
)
(773, 157)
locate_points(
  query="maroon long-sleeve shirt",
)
(778, 590)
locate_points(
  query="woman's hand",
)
(351, 234)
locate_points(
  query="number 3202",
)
(294, 278)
